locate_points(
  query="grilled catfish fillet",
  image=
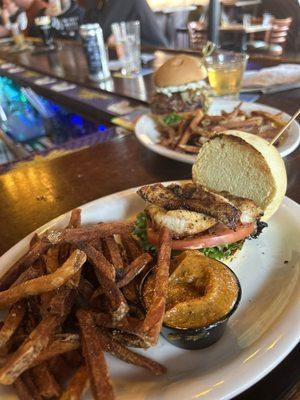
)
(250, 212)
(224, 207)
(181, 223)
(174, 197)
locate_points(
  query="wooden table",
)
(247, 3)
(244, 31)
(238, 29)
(32, 195)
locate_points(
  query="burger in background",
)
(180, 86)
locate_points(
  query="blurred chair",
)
(197, 35)
(274, 40)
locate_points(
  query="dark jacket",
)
(126, 10)
(66, 25)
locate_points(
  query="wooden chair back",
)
(279, 31)
(197, 35)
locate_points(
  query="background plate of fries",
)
(261, 333)
(180, 137)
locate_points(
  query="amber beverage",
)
(225, 72)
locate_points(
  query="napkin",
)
(281, 74)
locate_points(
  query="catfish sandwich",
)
(238, 183)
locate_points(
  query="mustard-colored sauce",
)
(201, 291)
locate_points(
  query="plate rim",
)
(190, 159)
(274, 359)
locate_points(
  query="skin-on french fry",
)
(87, 233)
(23, 263)
(154, 317)
(51, 259)
(43, 357)
(75, 218)
(85, 288)
(192, 130)
(44, 283)
(77, 385)
(117, 302)
(131, 247)
(129, 339)
(101, 385)
(273, 118)
(185, 137)
(196, 120)
(11, 322)
(96, 257)
(114, 253)
(128, 331)
(32, 272)
(45, 382)
(127, 324)
(189, 149)
(35, 238)
(134, 268)
(130, 292)
(62, 302)
(115, 348)
(61, 344)
(26, 389)
(32, 317)
(60, 368)
(25, 355)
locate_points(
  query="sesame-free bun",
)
(244, 165)
(180, 70)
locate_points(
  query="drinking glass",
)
(225, 71)
(128, 45)
(17, 35)
(45, 28)
(247, 20)
(267, 19)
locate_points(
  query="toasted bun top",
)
(244, 165)
(180, 70)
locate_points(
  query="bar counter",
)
(38, 192)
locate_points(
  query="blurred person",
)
(4, 21)
(11, 14)
(66, 21)
(106, 12)
(285, 9)
(32, 8)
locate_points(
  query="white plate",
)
(261, 333)
(148, 135)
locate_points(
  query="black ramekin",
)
(198, 338)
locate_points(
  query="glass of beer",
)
(225, 71)
(17, 35)
(45, 28)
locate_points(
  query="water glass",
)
(247, 20)
(225, 71)
(128, 46)
(267, 19)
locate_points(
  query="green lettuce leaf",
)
(172, 119)
(140, 231)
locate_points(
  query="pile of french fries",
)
(73, 297)
(192, 129)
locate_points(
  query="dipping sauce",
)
(201, 291)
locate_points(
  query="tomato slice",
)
(221, 235)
